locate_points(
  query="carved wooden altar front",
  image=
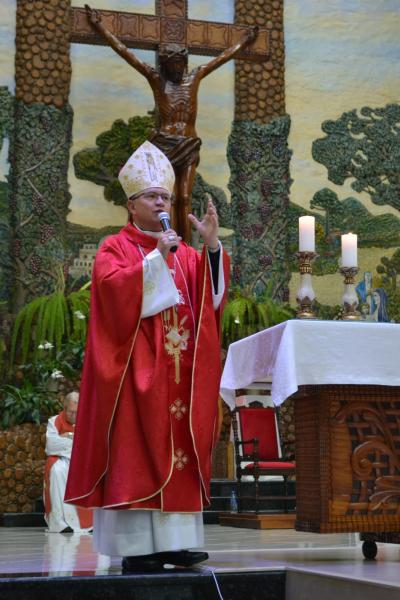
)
(348, 458)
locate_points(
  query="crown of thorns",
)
(173, 50)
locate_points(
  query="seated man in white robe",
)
(61, 517)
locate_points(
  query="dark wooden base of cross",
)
(180, 221)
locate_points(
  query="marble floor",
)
(33, 551)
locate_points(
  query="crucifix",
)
(173, 36)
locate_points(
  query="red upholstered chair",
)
(257, 443)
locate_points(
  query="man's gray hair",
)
(72, 397)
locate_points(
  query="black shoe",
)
(147, 563)
(181, 558)
(67, 530)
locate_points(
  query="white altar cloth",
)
(299, 352)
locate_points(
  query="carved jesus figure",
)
(175, 95)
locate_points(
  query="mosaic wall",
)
(22, 459)
(342, 76)
(317, 138)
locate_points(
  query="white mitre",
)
(148, 167)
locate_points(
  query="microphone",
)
(165, 224)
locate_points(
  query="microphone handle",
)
(165, 224)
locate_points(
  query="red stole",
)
(124, 452)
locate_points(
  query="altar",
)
(345, 380)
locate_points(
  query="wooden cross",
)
(170, 25)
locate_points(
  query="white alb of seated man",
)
(61, 517)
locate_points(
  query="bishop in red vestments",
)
(148, 418)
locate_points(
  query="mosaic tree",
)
(259, 158)
(102, 163)
(364, 148)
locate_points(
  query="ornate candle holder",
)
(350, 298)
(305, 293)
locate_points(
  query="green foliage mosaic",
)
(259, 158)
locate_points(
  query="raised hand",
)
(208, 227)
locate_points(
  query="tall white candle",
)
(349, 250)
(307, 234)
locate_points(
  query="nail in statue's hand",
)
(252, 34)
(93, 15)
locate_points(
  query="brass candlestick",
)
(350, 298)
(305, 294)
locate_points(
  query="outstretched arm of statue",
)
(94, 16)
(247, 38)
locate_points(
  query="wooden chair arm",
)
(253, 456)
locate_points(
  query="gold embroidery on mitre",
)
(180, 459)
(176, 339)
(151, 167)
(178, 409)
(148, 167)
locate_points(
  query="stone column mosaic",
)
(22, 459)
(6, 131)
(259, 158)
(260, 87)
(39, 153)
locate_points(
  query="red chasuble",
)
(147, 414)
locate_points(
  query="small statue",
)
(175, 95)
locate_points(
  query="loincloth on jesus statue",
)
(181, 150)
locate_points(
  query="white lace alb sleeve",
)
(159, 289)
(55, 444)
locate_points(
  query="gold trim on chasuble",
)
(178, 409)
(180, 459)
(191, 391)
(176, 338)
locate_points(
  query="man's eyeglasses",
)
(166, 198)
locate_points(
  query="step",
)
(198, 584)
(302, 585)
(35, 519)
